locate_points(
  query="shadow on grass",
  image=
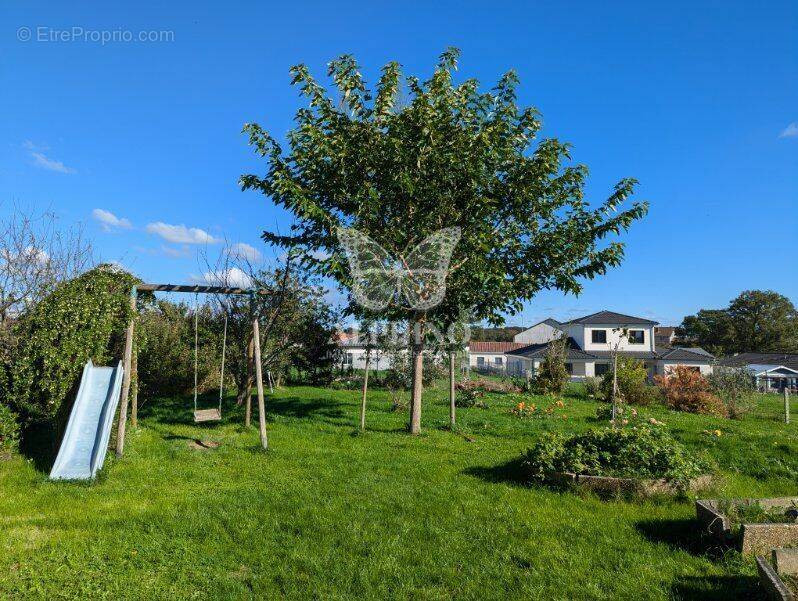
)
(39, 443)
(685, 535)
(717, 587)
(511, 472)
(180, 410)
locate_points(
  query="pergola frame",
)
(253, 352)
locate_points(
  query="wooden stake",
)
(120, 435)
(259, 381)
(786, 405)
(451, 388)
(365, 389)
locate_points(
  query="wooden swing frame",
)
(253, 356)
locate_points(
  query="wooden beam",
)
(259, 377)
(197, 288)
(120, 435)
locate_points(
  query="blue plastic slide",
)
(85, 442)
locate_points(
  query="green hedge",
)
(9, 432)
(83, 318)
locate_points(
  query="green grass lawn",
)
(327, 513)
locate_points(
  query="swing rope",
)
(196, 365)
(196, 345)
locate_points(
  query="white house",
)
(592, 339)
(491, 356)
(540, 333)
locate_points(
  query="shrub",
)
(640, 452)
(9, 431)
(632, 377)
(165, 340)
(687, 390)
(592, 387)
(84, 318)
(552, 376)
(471, 397)
(735, 388)
(400, 375)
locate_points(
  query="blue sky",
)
(696, 100)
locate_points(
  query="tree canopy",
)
(411, 157)
(755, 321)
(399, 166)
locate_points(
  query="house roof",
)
(610, 317)
(684, 354)
(759, 369)
(743, 359)
(478, 346)
(536, 351)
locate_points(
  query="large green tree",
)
(411, 157)
(755, 321)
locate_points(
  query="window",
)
(569, 367)
(598, 336)
(480, 361)
(602, 368)
(498, 360)
(637, 336)
(348, 359)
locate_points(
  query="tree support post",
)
(451, 388)
(120, 435)
(264, 441)
(786, 405)
(365, 389)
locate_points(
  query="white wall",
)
(489, 358)
(667, 367)
(537, 334)
(379, 360)
(583, 336)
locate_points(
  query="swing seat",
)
(207, 415)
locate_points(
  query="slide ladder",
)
(85, 441)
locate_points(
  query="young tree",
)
(451, 155)
(552, 376)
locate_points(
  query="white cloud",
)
(791, 131)
(170, 251)
(244, 251)
(41, 160)
(180, 234)
(109, 221)
(233, 277)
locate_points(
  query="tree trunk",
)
(451, 388)
(418, 376)
(363, 401)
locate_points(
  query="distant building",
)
(664, 335)
(540, 333)
(592, 338)
(772, 372)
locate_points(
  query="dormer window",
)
(637, 337)
(599, 336)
